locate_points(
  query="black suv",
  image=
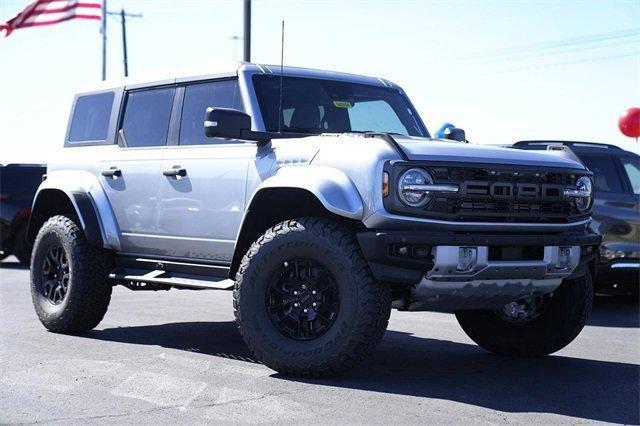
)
(18, 185)
(616, 212)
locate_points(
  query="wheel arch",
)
(271, 205)
(52, 201)
(78, 193)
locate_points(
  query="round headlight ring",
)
(584, 184)
(414, 176)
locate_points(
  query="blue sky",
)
(502, 70)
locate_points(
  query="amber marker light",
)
(385, 184)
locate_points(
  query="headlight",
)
(408, 187)
(582, 194)
(584, 187)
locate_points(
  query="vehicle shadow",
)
(615, 311)
(414, 366)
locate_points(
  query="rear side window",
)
(197, 98)
(146, 117)
(605, 174)
(632, 169)
(91, 115)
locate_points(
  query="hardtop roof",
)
(230, 69)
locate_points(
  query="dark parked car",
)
(18, 185)
(616, 212)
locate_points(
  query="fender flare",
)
(89, 201)
(331, 187)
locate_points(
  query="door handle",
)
(113, 172)
(175, 171)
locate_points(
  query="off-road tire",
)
(562, 317)
(89, 288)
(365, 304)
(20, 247)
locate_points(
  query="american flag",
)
(49, 12)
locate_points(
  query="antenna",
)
(280, 118)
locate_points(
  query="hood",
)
(441, 150)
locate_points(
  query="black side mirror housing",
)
(455, 134)
(226, 123)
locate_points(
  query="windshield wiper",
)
(302, 130)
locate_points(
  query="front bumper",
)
(450, 271)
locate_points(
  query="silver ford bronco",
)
(325, 200)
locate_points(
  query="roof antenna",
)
(280, 118)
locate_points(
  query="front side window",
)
(328, 106)
(91, 116)
(605, 173)
(146, 117)
(632, 168)
(197, 98)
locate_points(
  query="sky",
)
(502, 70)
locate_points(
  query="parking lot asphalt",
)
(168, 357)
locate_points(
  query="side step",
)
(136, 279)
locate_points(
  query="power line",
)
(560, 64)
(515, 50)
(533, 55)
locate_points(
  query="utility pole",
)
(247, 31)
(103, 30)
(123, 22)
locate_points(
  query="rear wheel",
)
(305, 301)
(534, 326)
(69, 278)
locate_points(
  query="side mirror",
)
(455, 134)
(226, 123)
(451, 132)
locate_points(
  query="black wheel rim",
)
(55, 275)
(302, 299)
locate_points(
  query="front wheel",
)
(305, 301)
(70, 287)
(534, 326)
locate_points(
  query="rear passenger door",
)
(202, 207)
(131, 172)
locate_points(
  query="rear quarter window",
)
(91, 116)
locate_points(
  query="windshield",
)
(329, 106)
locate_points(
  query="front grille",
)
(499, 194)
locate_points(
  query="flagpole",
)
(104, 39)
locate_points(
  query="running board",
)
(163, 280)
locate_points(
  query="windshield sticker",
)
(342, 104)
